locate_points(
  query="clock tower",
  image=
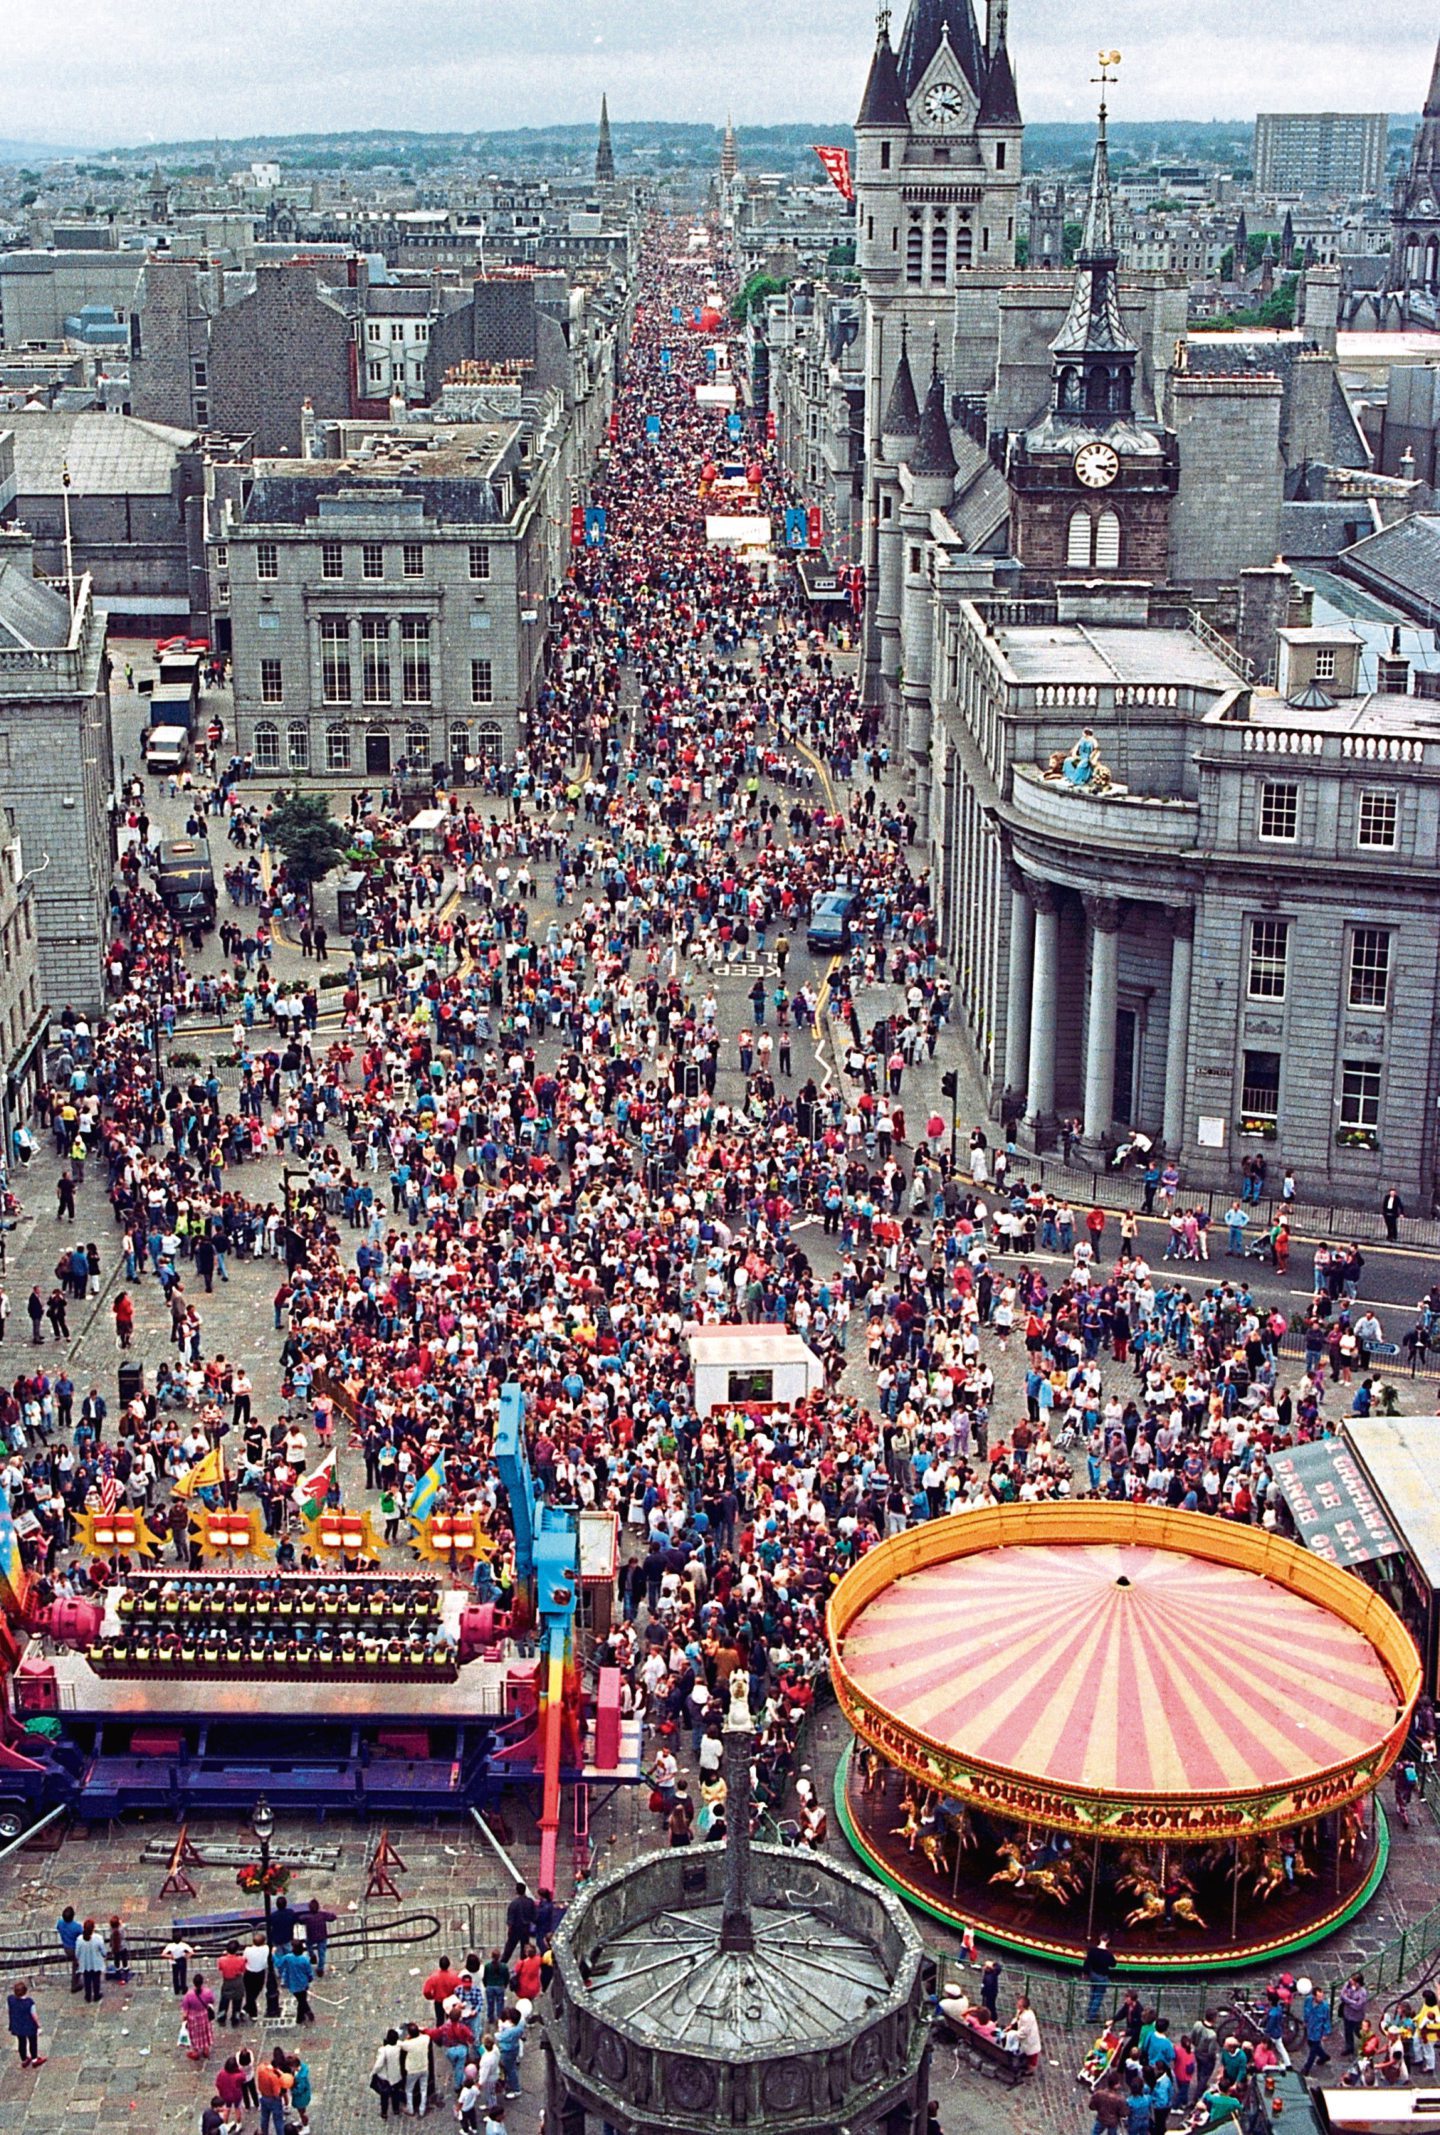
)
(1415, 212)
(937, 194)
(1092, 478)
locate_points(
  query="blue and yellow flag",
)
(428, 1489)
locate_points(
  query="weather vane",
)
(882, 19)
(1105, 77)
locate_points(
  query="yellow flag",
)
(205, 1474)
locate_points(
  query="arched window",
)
(1107, 541)
(1097, 391)
(297, 745)
(939, 246)
(417, 746)
(964, 245)
(914, 254)
(1077, 551)
(1120, 398)
(459, 742)
(489, 741)
(337, 748)
(1432, 253)
(267, 745)
(1069, 387)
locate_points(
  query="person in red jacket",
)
(439, 1987)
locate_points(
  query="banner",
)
(652, 428)
(733, 423)
(837, 170)
(428, 1489)
(797, 529)
(594, 526)
(664, 359)
(206, 1474)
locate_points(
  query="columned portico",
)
(1044, 1000)
(1017, 1009)
(1103, 914)
(1177, 1034)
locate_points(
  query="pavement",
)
(118, 2065)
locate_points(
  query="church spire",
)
(902, 411)
(604, 152)
(883, 103)
(1432, 101)
(729, 156)
(1093, 322)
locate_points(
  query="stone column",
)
(397, 671)
(1177, 1034)
(1044, 999)
(1017, 1008)
(1104, 916)
(737, 1926)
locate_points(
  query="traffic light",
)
(950, 1084)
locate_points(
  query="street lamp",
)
(262, 1823)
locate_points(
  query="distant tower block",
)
(604, 152)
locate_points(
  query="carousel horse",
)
(1352, 1831)
(1013, 1870)
(872, 1768)
(1152, 1906)
(932, 1845)
(909, 1830)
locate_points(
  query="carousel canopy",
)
(1113, 1659)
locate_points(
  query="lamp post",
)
(262, 1823)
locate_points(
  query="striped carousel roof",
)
(1124, 1669)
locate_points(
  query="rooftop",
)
(473, 451)
(1084, 652)
(107, 455)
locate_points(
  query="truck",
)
(185, 879)
(173, 711)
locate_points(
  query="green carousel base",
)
(1132, 1957)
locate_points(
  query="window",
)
(375, 658)
(417, 745)
(335, 659)
(1376, 826)
(1280, 812)
(915, 560)
(964, 244)
(332, 560)
(267, 560)
(415, 659)
(1269, 947)
(222, 556)
(914, 255)
(1107, 541)
(999, 155)
(884, 155)
(267, 745)
(482, 682)
(413, 559)
(202, 414)
(272, 688)
(1360, 1093)
(297, 745)
(373, 330)
(459, 742)
(397, 330)
(372, 560)
(1325, 663)
(939, 247)
(1077, 547)
(489, 741)
(1369, 967)
(199, 377)
(377, 374)
(1260, 1086)
(479, 559)
(337, 748)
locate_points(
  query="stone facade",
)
(274, 350)
(1230, 949)
(57, 771)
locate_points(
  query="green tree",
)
(1074, 231)
(753, 295)
(302, 828)
(1022, 251)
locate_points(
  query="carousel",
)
(1075, 1720)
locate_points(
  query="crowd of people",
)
(526, 1148)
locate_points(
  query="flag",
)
(313, 1490)
(109, 1488)
(837, 170)
(426, 1492)
(207, 1474)
(12, 1570)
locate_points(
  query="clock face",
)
(942, 104)
(1096, 465)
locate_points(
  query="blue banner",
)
(733, 423)
(652, 428)
(797, 533)
(594, 526)
(674, 314)
(710, 361)
(664, 359)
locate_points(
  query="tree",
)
(1074, 231)
(752, 297)
(303, 829)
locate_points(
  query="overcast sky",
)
(92, 72)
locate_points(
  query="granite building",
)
(387, 597)
(56, 768)
(1230, 943)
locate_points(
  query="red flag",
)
(577, 525)
(837, 170)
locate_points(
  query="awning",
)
(820, 579)
(1335, 1511)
